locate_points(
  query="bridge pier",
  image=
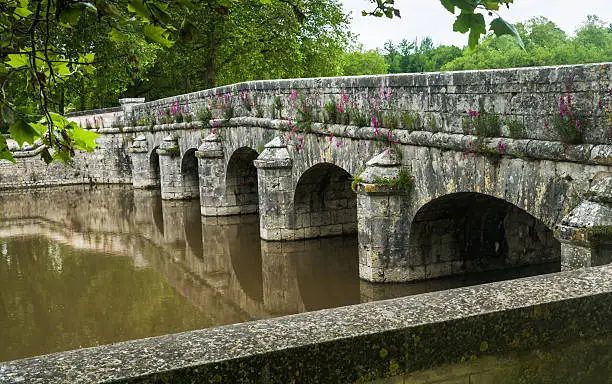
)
(586, 233)
(230, 190)
(145, 166)
(179, 176)
(211, 172)
(382, 227)
(275, 185)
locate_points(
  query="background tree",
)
(357, 61)
(545, 44)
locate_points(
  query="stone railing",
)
(528, 97)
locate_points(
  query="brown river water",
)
(83, 266)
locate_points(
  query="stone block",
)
(287, 234)
(349, 228)
(438, 270)
(312, 232)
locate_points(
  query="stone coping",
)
(355, 343)
(94, 112)
(490, 77)
(529, 148)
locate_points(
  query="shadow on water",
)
(83, 266)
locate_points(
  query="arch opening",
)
(189, 175)
(324, 203)
(472, 232)
(154, 173)
(241, 181)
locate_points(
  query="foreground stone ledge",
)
(357, 343)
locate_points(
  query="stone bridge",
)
(439, 174)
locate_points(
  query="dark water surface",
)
(84, 266)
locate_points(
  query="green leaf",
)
(61, 69)
(139, 8)
(158, 35)
(491, 5)
(17, 60)
(477, 28)
(87, 58)
(58, 120)
(465, 5)
(502, 27)
(117, 36)
(5, 153)
(62, 156)
(40, 128)
(462, 22)
(22, 132)
(70, 16)
(448, 4)
(22, 12)
(46, 156)
(84, 139)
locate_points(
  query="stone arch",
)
(468, 232)
(241, 181)
(189, 174)
(154, 172)
(324, 203)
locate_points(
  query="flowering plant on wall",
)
(570, 122)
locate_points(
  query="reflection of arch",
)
(241, 180)
(328, 272)
(245, 257)
(158, 215)
(189, 174)
(154, 174)
(324, 199)
(467, 231)
(192, 222)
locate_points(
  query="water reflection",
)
(83, 266)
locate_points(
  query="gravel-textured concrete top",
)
(308, 335)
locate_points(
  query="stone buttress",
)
(382, 227)
(275, 185)
(586, 233)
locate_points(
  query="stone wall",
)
(108, 164)
(441, 99)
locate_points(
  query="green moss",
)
(383, 352)
(516, 128)
(432, 124)
(596, 235)
(404, 181)
(411, 121)
(356, 179)
(484, 346)
(276, 108)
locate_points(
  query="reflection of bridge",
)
(478, 203)
(215, 263)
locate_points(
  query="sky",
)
(422, 18)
